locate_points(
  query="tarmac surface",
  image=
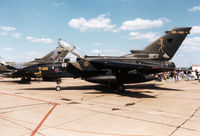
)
(86, 109)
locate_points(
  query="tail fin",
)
(53, 57)
(167, 45)
(2, 61)
(6, 66)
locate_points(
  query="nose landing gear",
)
(58, 87)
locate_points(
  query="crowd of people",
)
(178, 75)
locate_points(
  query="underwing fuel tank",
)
(104, 79)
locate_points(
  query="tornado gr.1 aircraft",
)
(29, 70)
(33, 68)
(138, 66)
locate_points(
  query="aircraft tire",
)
(23, 80)
(58, 88)
(120, 88)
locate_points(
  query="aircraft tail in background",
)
(53, 57)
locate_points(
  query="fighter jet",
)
(4, 67)
(29, 70)
(138, 66)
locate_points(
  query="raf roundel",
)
(56, 70)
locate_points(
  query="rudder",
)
(167, 45)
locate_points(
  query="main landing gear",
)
(120, 88)
(25, 80)
(116, 87)
(58, 87)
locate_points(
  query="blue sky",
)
(31, 28)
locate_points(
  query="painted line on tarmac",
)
(22, 106)
(31, 98)
(45, 117)
(73, 130)
(26, 97)
(58, 128)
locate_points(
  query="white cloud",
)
(107, 52)
(8, 49)
(59, 4)
(139, 24)
(4, 33)
(195, 30)
(37, 40)
(95, 51)
(97, 43)
(33, 54)
(191, 44)
(164, 19)
(16, 35)
(196, 8)
(114, 52)
(150, 36)
(100, 23)
(29, 56)
(8, 28)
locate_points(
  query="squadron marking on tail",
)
(161, 43)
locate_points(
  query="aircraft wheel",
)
(120, 88)
(23, 80)
(28, 79)
(111, 86)
(58, 88)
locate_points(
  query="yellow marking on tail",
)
(161, 43)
